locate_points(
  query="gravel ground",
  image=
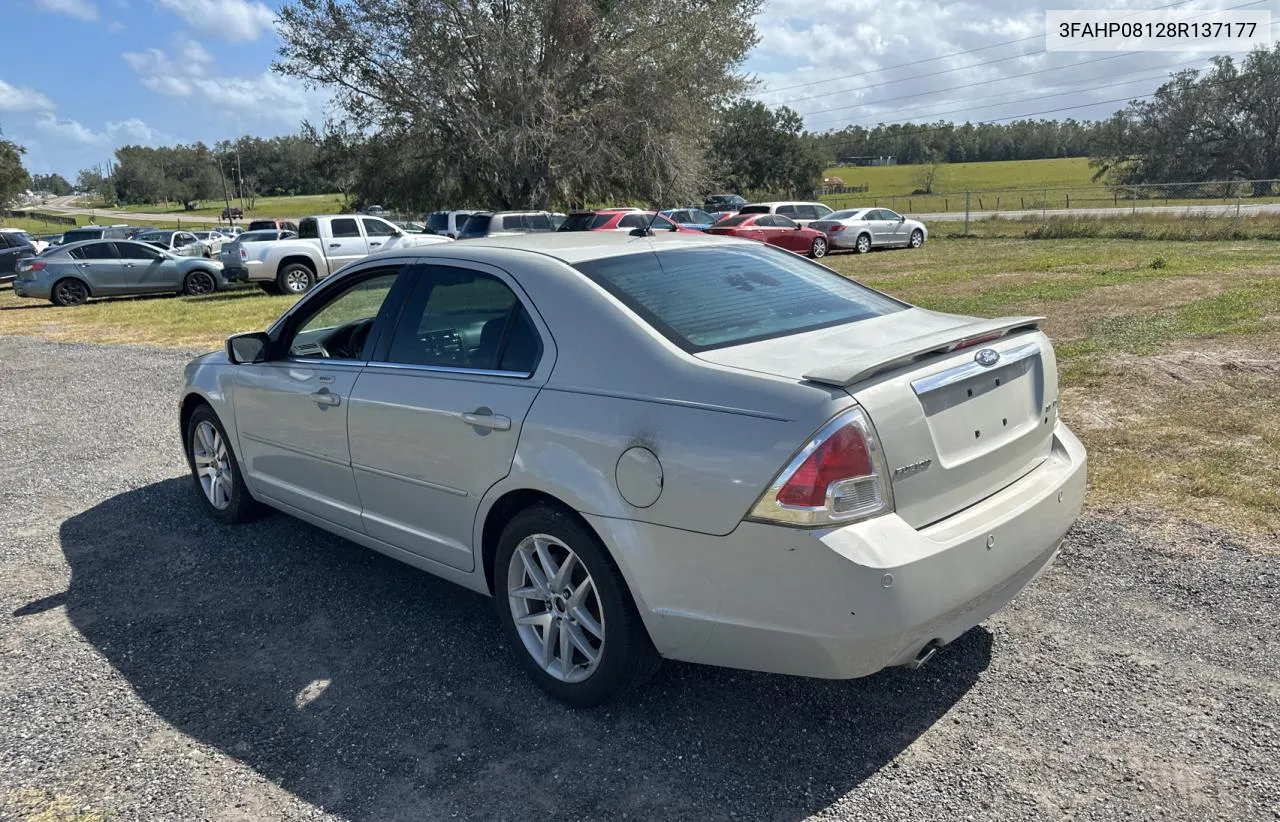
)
(154, 665)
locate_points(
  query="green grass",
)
(300, 206)
(1071, 172)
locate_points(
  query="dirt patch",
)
(1072, 319)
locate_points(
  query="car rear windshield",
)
(259, 225)
(258, 236)
(737, 219)
(585, 221)
(704, 298)
(77, 236)
(754, 209)
(439, 221)
(477, 226)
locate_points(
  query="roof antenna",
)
(647, 231)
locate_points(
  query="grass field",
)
(264, 207)
(1169, 353)
(999, 186)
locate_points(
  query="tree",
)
(519, 104)
(927, 176)
(762, 151)
(14, 179)
(1220, 125)
(55, 184)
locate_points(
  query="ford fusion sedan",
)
(773, 229)
(864, 229)
(70, 274)
(659, 446)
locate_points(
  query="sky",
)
(155, 72)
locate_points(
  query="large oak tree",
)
(521, 103)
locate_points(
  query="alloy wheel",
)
(297, 281)
(199, 282)
(70, 292)
(864, 244)
(819, 247)
(556, 608)
(213, 464)
(917, 239)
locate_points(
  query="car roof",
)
(570, 247)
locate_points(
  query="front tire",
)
(69, 292)
(215, 469)
(818, 249)
(566, 609)
(863, 244)
(295, 278)
(199, 283)
(917, 239)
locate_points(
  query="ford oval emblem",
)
(987, 357)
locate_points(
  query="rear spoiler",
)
(905, 352)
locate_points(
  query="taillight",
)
(839, 476)
(836, 229)
(972, 341)
(244, 253)
(31, 265)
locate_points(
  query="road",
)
(62, 205)
(157, 665)
(1215, 210)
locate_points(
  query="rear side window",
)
(309, 230)
(635, 221)
(706, 298)
(345, 227)
(786, 209)
(94, 251)
(754, 209)
(537, 222)
(477, 226)
(438, 221)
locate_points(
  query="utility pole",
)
(240, 175)
(226, 195)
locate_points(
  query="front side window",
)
(886, 214)
(377, 228)
(754, 209)
(703, 298)
(137, 251)
(345, 227)
(821, 209)
(94, 251)
(340, 329)
(459, 318)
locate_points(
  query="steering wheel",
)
(358, 337)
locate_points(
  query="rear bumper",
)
(850, 601)
(30, 288)
(252, 272)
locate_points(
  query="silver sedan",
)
(864, 229)
(677, 446)
(71, 274)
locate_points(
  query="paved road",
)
(159, 666)
(62, 205)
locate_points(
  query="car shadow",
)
(380, 692)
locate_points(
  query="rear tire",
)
(604, 619)
(68, 292)
(819, 248)
(296, 279)
(863, 244)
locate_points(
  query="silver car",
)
(181, 243)
(676, 446)
(863, 229)
(70, 274)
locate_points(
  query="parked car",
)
(95, 232)
(505, 223)
(232, 213)
(410, 226)
(863, 229)
(211, 242)
(802, 213)
(677, 446)
(376, 211)
(14, 248)
(617, 219)
(723, 203)
(72, 273)
(181, 243)
(324, 244)
(231, 231)
(448, 223)
(131, 232)
(773, 229)
(557, 219)
(279, 225)
(693, 218)
(240, 253)
(25, 236)
(50, 239)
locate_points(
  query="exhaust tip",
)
(926, 653)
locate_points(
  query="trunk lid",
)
(955, 426)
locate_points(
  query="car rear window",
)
(477, 226)
(77, 236)
(586, 221)
(439, 221)
(259, 225)
(754, 209)
(737, 219)
(704, 298)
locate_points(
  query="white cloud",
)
(21, 98)
(115, 27)
(132, 131)
(234, 20)
(80, 9)
(68, 130)
(188, 74)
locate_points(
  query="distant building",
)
(869, 160)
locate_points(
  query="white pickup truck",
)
(324, 244)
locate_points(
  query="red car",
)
(775, 230)
(619, 219)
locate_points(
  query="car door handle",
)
(487, 420)
(374, 245)
(335, 245)
(326, 397)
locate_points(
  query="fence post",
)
(966, 213)
(1044, 204)
(1237, 205)
(1133, 201)
(1068, 201)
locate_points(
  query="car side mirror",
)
(248, 348)
(901, 219)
